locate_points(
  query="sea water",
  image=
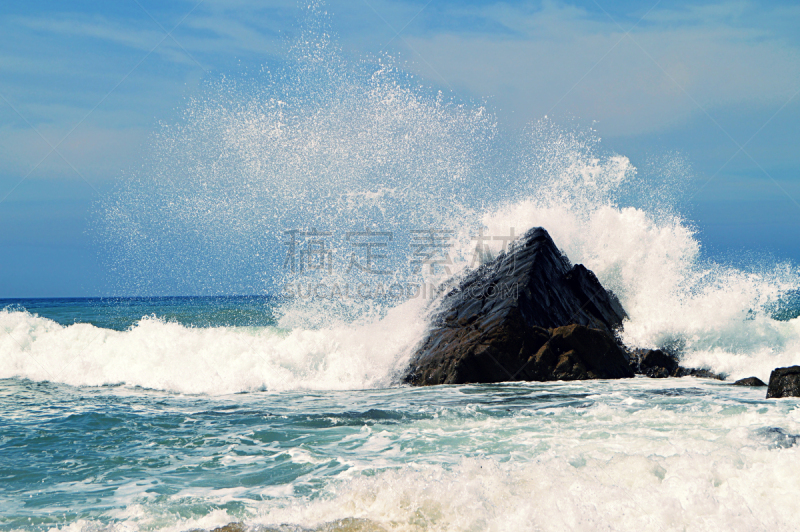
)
(170, 425)
(284, 412)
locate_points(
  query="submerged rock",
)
(784, 382)
(776, 437)
(231, 527)
(348, 524)
(749, 381)
(527, 315)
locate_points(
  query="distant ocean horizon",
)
(121, 312)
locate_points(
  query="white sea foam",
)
(678, 462)
(218, 360)
(690, 491)
(693, 491)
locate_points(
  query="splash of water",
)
(323, 143)
(334, 145)
(714, 315)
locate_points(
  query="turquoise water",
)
(657, 454)
(203, 411)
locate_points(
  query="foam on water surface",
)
(214, 360)
(624, 455)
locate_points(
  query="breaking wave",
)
(331, 144)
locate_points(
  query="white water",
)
(627, 456)
(694, 490)
(651, 259)
(217, 360)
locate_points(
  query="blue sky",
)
(84, 83)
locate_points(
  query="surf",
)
(326, 143)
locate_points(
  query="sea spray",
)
(327, 147)
(321, 144)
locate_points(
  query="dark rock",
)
(660, 363)
(575, 352)
(572, 352)
(506, 321)
(700, 373)
(749, 381)
(784, 382)
(656, 363)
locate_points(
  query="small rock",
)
(701, 373)
(660, 363)
(231, 527)
(749, 381)
(656, 363)
(784, 382)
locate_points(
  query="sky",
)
(84, 84)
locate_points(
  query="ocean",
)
(192, 413)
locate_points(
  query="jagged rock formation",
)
(507, 321)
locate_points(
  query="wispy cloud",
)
(719, 64)
(93, 27)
